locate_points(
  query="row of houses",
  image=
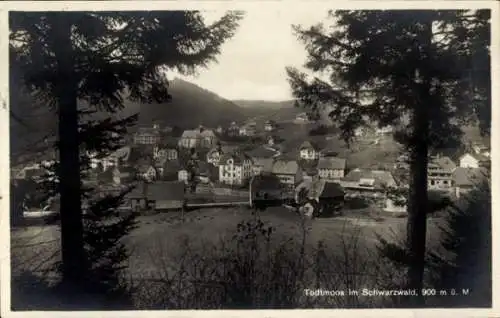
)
(200, 137)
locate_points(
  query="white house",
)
(183, 175)
(331, 168)
(384, 130)
(269, 125)
(308, 151)
(235, 168)
(301, 118)
(469, 160)
(200, 137)
(439, 173)
(148, 172)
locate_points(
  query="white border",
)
(304, 7)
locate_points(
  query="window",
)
(433, 182)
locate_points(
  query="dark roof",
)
(468, 176)
(162, 190)
(308, 145)
(172, 166)
(265, 163)
(173, 190)
(332, 190)
(265, 182)
(148, 130)
(321, 189)
(331, 163)
(285, 167)
(445, 163)
(237, 156)
(168, 142)
(380, 177)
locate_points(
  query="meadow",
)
(189, 249)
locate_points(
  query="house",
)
(288, 171)
(158, 196)
(248, 130)
(301, 118)
(117, 158)
(439, 173)
(262, 165)
(309, 173)
(395, 205)
(205, 172)
(207, 138)
(266, 190)
(147, 136)
(147, 172)
(201, 137)
(269, 125)
(368, 183)
(474, 160)
(183, 175)
(215, 154)
(319, 197)
(402, 162)
(123, 175)
(167, 195)
(168, 170)
(384, 130)
(189, 139)
(270, 141)
(235, 168)
(308, 151)
(331, 168)
(465, 179)
(167, 153)
(233, 129)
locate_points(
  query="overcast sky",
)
(252, 64)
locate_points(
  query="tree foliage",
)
(422, 72)
(83, 66)
(365, 68)
(463, 259)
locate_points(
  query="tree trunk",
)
(417, 201)
(72, 245)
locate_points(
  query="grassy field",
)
(160, 244)
(35, 248)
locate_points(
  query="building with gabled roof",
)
(235, 168)
(474, 160)
(288, 171)
(201, 137)
(368, 183)
(331, 168)
(309, 150)
(466, 179)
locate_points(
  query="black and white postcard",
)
(234, 156)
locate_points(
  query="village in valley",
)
(299, 164)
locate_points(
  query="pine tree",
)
(463, 260)
(416, 70)
(99, 59)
